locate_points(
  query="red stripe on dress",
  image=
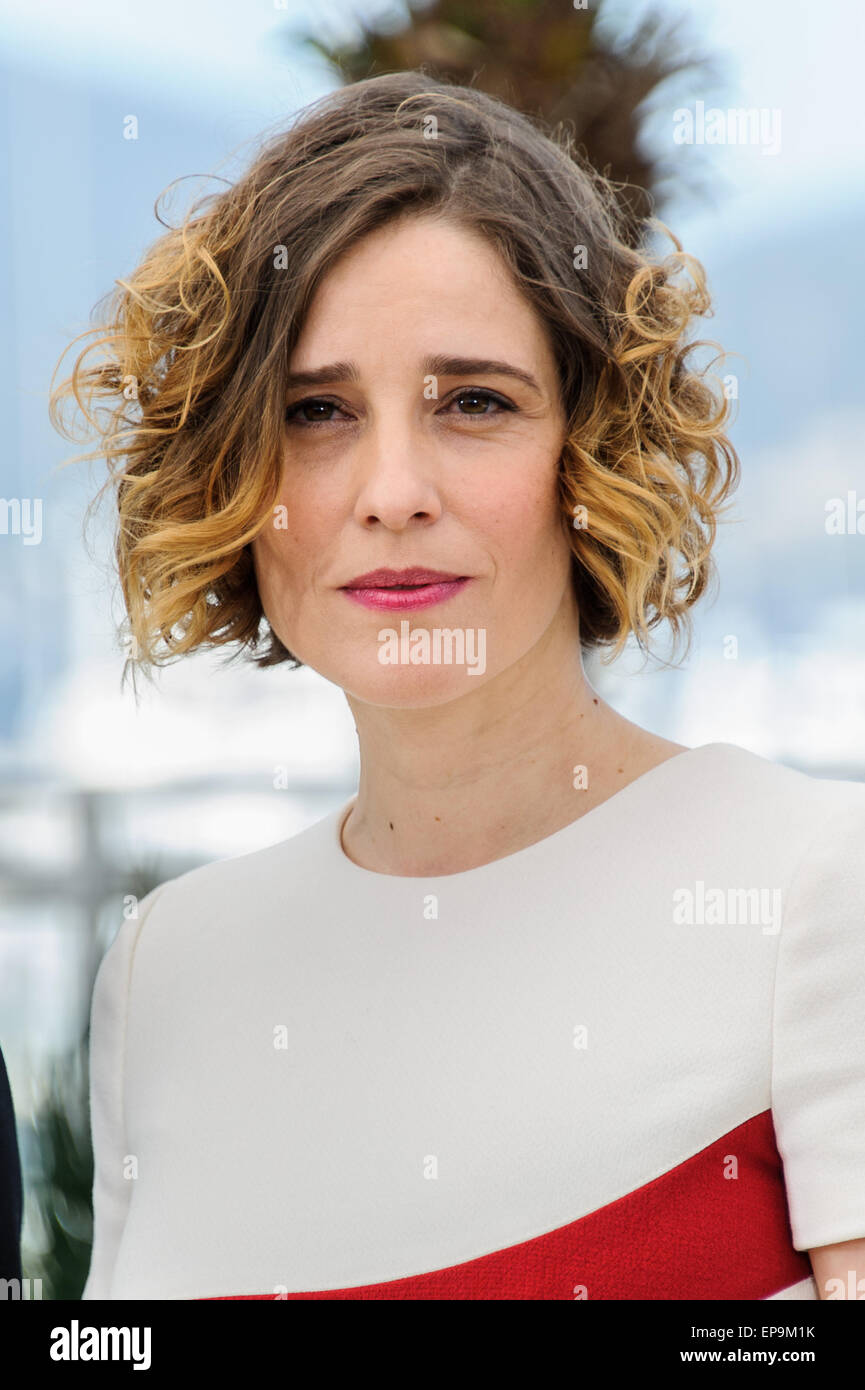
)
(690, 1233)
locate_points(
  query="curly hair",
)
(199, 337)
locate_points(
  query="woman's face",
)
(399, 456)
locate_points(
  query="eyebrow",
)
(438, 364)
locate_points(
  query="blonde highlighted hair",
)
(196, 344)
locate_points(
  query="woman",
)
(406, 405)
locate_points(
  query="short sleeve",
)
(108, 1014)
(818, 1060)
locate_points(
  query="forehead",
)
(421, 277)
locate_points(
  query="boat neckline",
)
(574, 828)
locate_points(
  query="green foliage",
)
(57, 1160)
(61, 1185)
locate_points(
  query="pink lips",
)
(400, 590)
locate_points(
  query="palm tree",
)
(549, 60)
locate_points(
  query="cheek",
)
(277, 563)
(262, 568)
(525, 522)
(284, 549)
(305, 517)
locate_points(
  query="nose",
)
(397, 482)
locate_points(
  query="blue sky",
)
(221, 55)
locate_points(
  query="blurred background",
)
(737, 122)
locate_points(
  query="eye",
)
(297, 414)
(313, 411)
(476, 394)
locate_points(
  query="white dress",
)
(627, 1061)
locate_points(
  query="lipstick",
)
(391, 590)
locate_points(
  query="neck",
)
(453, 786)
